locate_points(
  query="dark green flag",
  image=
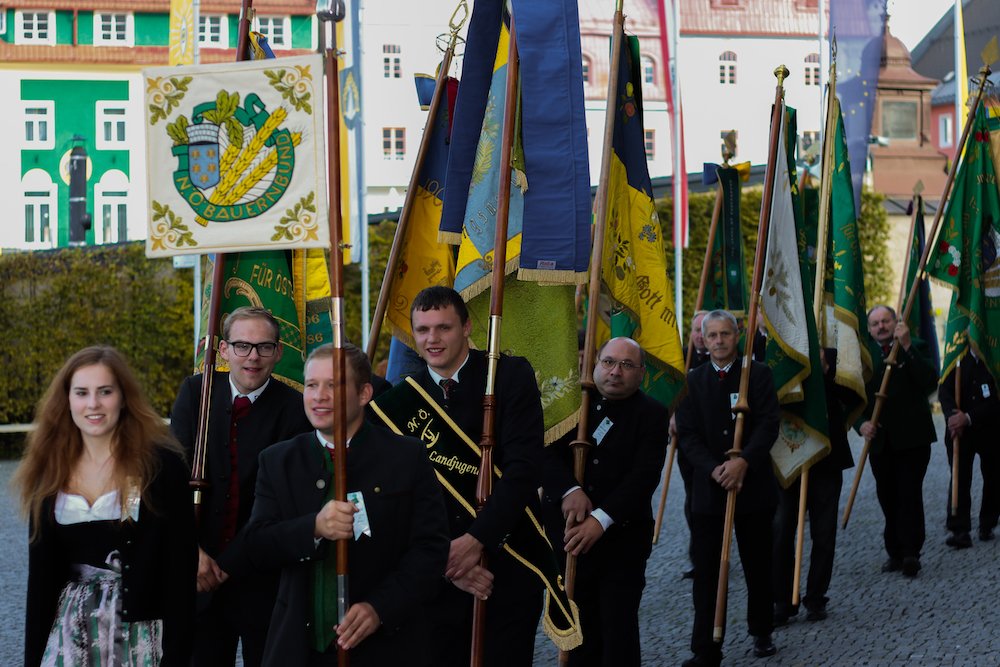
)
(964, 258)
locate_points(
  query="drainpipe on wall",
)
(76, 26)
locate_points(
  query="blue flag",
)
(860, 28)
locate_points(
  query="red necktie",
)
(230, 514)
(446, 385)
(722, 374)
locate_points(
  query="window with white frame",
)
(586, 69)
(111, 131)
(35, 27)
(650, 138)
(393, 143)
(39, 125)
(946, 131)
(213, 31)
(391, 66)
(727, 67)
(3, 22)
(40, 209)
(812, 69)
(277, 30)
(114, 29)
(111, 208)
(648, 69)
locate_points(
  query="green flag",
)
(956, 338)
(727, 285)
(792, 343)
(921, 320)
(964, 258)
(845, 317)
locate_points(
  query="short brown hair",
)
(250, 313)
(354, 356)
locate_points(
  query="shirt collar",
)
(718, 368)
(437, 377)
(253, 395)
(329, 445)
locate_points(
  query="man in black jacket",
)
(608, 523)
(249, 411)
(705, 424)
(455, 377)
(395, 523)
(977, 423)
(901, 441)
(826, 477)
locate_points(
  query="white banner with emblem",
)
(235, 157)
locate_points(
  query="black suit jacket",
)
(906, 421)
(276, 415)
(705, 426)
(983, 407)
(395, 570)
(520, 438)
(159, 564)
(621, 474)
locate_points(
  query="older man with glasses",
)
(249, 411)
(608, 522)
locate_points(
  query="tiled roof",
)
(748, 17)
(163, 6)
(113, 55)
(709, 17)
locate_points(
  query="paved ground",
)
(943, 617)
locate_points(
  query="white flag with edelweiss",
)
(235, 157)
(792, 346)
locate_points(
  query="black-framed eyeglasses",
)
(627, 366)
(243, 349)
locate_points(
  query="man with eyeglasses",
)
(249, 411)
(705, 428)
(608, 522)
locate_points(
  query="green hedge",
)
(54, 303)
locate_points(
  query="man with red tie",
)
(705, 424)
(249, 410)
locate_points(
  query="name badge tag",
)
(986, 390)
(733, 398)
(602, 430)
(361, 525)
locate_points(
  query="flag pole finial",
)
(918, 188)
(728, 147)
(782, 73)
(990, 55)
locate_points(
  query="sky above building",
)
(910, 20)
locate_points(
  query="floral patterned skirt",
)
(88, 630)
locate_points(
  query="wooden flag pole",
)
(332, 14)
(395, 251)
(689, 357)
(581, 445)
(484, 484)
(890, 361)
(742, 407)
(200, 455)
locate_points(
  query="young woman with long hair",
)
(112, 559)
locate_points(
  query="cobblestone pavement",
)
(943, 617)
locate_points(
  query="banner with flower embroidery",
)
(966, 256)
(235, 157)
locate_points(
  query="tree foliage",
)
(873, 232)
(54, 303)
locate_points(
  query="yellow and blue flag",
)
(634, 271)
